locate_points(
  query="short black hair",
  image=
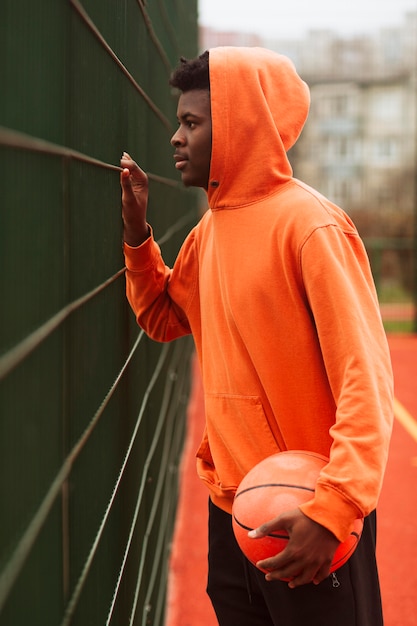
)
(192, 74)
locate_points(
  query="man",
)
(275, 286)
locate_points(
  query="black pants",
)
(242, 597)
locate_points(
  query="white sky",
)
(293, 18)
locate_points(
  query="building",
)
(359, 144)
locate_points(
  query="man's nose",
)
(177, 139)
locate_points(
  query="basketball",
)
(278, 484)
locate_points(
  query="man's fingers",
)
(132, 172)
(126, 183)
(297, 571)
(294, 575)
(257, 533)
(278, 523)
(126, 158)
(127, 161)
(133, 179)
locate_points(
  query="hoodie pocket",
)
(238, 434)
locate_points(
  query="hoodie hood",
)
(259, 106)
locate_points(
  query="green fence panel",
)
(92, 413)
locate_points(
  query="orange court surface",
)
(188, 604)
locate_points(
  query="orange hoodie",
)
(275, 286)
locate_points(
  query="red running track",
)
(397, 509)
(188, 604)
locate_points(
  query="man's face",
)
(192, 141)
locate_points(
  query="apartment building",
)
(359, 144)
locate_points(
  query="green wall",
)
(91, 411)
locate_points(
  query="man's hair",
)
(192, 74)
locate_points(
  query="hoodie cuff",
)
(139, 258)
(331, 509)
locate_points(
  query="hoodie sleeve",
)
(344, 304)
(159, 295)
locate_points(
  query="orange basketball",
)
(278, 484)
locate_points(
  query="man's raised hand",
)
(134, 183)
